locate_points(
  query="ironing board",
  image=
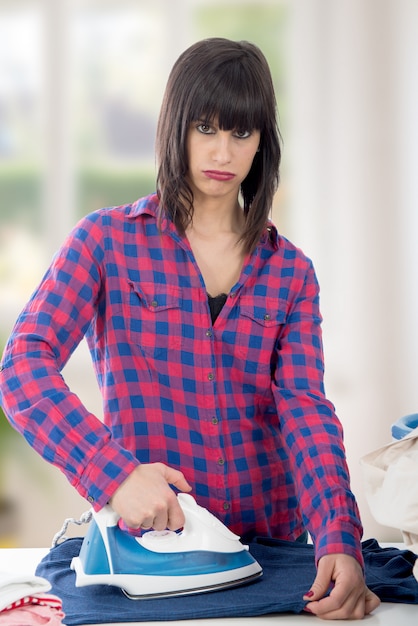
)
(24, 560)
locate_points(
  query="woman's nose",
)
(222, 149)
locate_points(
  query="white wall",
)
(352, 155)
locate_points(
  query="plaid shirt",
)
(237, 405)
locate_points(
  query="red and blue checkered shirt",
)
(238, 405)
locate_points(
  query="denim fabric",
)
(288, 571)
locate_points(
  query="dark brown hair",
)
(231, 82)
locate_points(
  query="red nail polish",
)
(309, 594)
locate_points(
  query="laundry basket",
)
(390, 481)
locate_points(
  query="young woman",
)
(204, 329)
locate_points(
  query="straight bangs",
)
(231, 97)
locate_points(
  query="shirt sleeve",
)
(312, 430)
(33, 393)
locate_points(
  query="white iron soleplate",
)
(139, 587)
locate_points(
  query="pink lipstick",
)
(219, 175)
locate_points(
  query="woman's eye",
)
(204, 128)
(242, 134)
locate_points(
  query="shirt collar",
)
(149, 204)
(144, 206)
(270, 237)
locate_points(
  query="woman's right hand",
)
(146, 500)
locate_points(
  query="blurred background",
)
(81, 83)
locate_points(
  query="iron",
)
(204, 556)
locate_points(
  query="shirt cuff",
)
(105, 473)
(341, 539)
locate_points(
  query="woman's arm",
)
(33, 392)
(314, 436)
(312, 431)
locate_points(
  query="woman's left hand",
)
(349, 597)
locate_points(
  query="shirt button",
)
(232, 294)
(154, 303)
(90, 499)
(215, 420)
(221, 461)
(208, 333)
(226, 506)
(211, 376)
(267, 317)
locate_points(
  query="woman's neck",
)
(214, 219)
(215, 239)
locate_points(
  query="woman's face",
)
(219, 160)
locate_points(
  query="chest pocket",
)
(154, 318)
(260, 324)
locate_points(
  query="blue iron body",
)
(204, 556)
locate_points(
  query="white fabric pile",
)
(390, 476)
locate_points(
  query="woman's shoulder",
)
(112, 222)
(144, 205)
(115, 218)
(285, 249)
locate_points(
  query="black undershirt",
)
(215, 305)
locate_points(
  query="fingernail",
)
(307, 610)
(309, 594)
